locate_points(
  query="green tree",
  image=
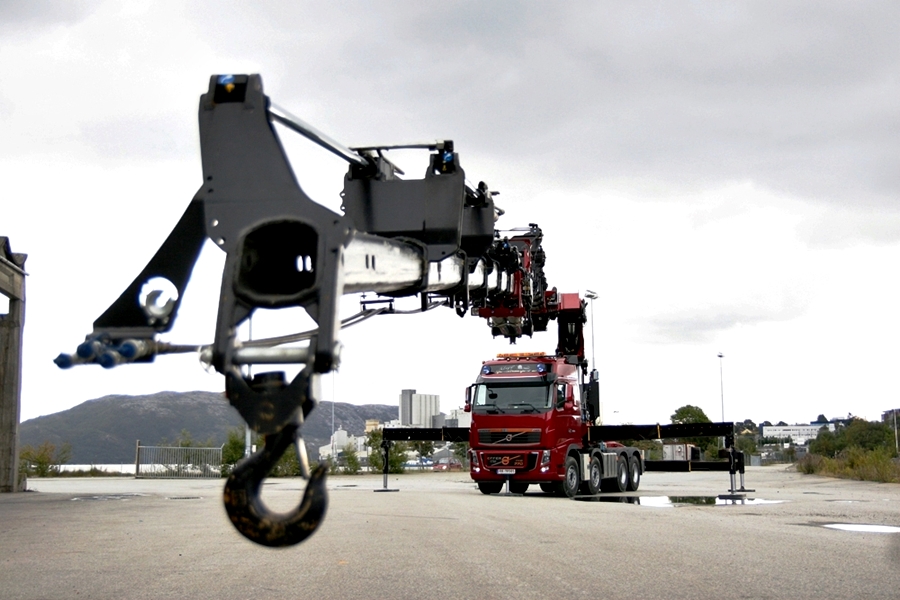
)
(233, 449)
(424, 449)
(45, 459)
(868, 435)
(461, 451)
(825, 444)
(745, 443)
(690, 414)
(376, 455)
(351, 460)
(745, 424)
(790, 454)
(334, 466)
(652, 448)
(186, 440)
(288, 465)
(859, 433)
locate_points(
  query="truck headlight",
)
(545, 458)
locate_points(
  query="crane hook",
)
(249, 514)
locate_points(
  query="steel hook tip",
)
(252, 518)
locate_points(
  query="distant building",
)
(888, 416)
(417, 410)
(799, 434)
(339, 440)
(459, 418)
(456, 418)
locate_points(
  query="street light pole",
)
(592, 296)
(722, 391)
(722, 386)
(896, 441)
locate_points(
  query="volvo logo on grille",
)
(509, 436)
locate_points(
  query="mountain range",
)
(105, 430)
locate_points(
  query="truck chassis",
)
(598, 466)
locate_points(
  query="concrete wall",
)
(12, 324)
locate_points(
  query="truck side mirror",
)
(468, 405)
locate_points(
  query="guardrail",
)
(172, 462)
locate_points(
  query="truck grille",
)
(521, 461)
(515, 437)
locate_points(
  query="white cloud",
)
(724, 175)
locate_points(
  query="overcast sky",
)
(724, 175)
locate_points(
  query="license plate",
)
(506, 471)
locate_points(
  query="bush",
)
(95, 472)
(352, 465)
(871, 465)
(232, 450)
(287, 466)
(376, 458)
(810, 464)
(862, 434)
(854, 463)
(43, 460)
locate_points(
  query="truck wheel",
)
(490, 487)
(573, 478)
(595, 476)
(620, 482)
(517, 488)
(634, 474)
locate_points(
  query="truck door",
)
(568, 414)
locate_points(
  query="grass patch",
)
(854, 463)
(93, 472)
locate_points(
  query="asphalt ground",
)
(438, 537)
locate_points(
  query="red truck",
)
(531, 421)
(534, 416)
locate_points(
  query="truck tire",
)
(619, 483)
(490, 487)
(634, 474)
(572, 481)
(517, 488)
(595, 477)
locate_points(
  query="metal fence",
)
(169, 462)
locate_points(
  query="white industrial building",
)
(339, 440)
(799, 434)
(458, 418)
(418, 410)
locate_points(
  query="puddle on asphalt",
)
(109, 497)
(674, 501)
(863, 528)
(184, 498)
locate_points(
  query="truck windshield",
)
(496, 398)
